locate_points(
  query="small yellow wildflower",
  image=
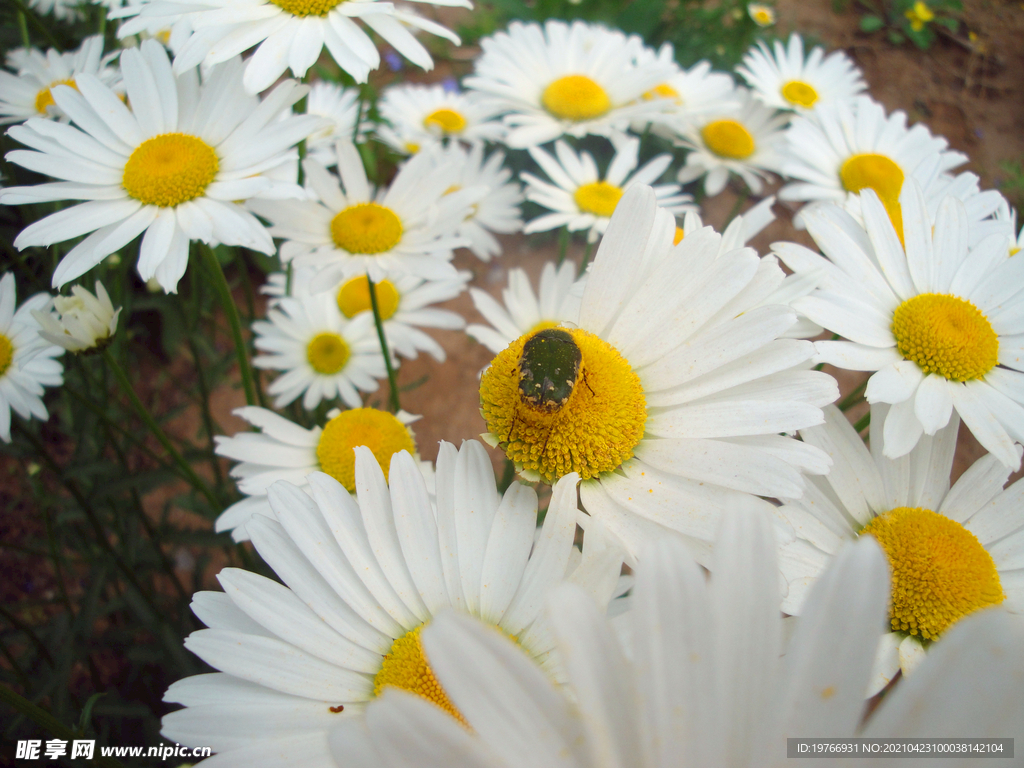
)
(919, 15)
(763, 15)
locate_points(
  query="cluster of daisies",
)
(665, 396)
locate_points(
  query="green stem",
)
(147, 419)
(563, 244)
(300, 109)
(44, 719)
(740, 200)
(395, 407)
(207, 415)
(228, 303)
(854, 397)
(23, 28)
(30, 15)
(586, 258)
(863, 423)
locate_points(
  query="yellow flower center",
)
(575, 97)
(448, 120)
(170, 169)
(598, 198)
(411, 147)
(306, 7)
(677, 238)
(593, 431)
(881, 174)
(44, 99)
(366, 228)
(379, 431)
(946, 335)
(729, 139)
(354, 297)
(663, 91)
(763, 15)
(940, 571)
(405, 666)
(327, 353)
(6, 354)
(799, 93)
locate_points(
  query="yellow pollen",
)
(306, 7)
(447, 120)
(44, 99)
(405, 666)
(327, 353)
(677, 238)
(354, 297)
(663, 91)
(366, 228)
(940, 571)
(6, 354)
(800, 93)
(729, 139)
(946, 335)
(593, 432)
(881, 174)
(379, 431)
(1014, 250)
(170, 169)
(411, 147)
(575, 97)
(598, 198)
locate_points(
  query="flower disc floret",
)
(663, 91)
(594, 431)
(946, 335)
(729, 139)
(877, 172)
(405, 666)
(379, 431)
(327, 353)
(576, 97)
(6, 354)
(448, 120)
(44, 99)
(940, 571)
(354, 297)
(598, 198)
(800, 93)
(366, 228)
(306, 7)
(170, 169)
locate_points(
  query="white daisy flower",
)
(782, 78)
(938, 323)
(26, 359)
(340, 107)
(745, 140)
(291, 34)
(841, 149)
(172, 168)
(986, 209)
(668, 391)
(762, 14)
(498, 210)
(703, 682)
(406, 228)
(404, 305)
(687, 92)
(283, 450)
(420, 115)
(561, 79)
(741, 230)
(524, 312)
(361, 578)
(322, 354)
(64, 10)
(580, 199)
(83, 321)
(952, 551)
(27, 94)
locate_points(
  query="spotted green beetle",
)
(548, 369)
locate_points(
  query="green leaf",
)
(871, 23)
(896, 38)
(951, 24)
